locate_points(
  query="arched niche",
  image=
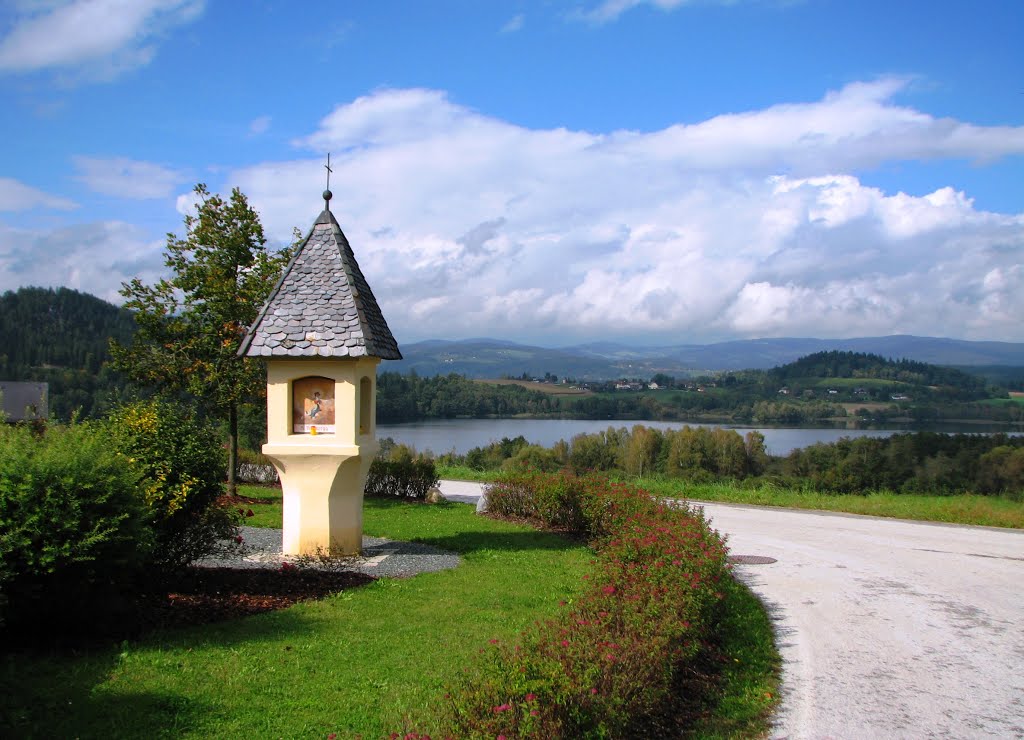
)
(313, 405)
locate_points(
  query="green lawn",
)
(360, 662)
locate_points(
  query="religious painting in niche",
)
(313, 406)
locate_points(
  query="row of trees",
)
(411, 397)
(924, 462)
(695, 452)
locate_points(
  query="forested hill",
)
(861, 365)
(60, 336)
(43, 327)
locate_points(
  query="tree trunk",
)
(232, 448)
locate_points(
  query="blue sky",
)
(655, 171)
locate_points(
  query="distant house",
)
(24, 401)
(783, 391)
(653, 386)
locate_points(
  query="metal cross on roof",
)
(327, 192)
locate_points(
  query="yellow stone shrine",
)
(322, 335)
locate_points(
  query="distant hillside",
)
(492, 358)
(761, 354)
(489, 358)
(60, 337)
(44, 329)
(922, 379)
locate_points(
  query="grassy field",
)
(362, 663)
(553, 389)
(848, 383)
(1015, 399)
(853, 406)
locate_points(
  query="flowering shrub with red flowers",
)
(609, 662)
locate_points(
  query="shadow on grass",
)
(50, 698)
(73, 692)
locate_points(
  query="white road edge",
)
(887, 628)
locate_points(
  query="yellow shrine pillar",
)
(321, 439)
(322, 335)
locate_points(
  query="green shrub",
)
(533, 457)
(182, 465)
(73, 532)
(405, 479)
(610, 665)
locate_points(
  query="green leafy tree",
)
(190, 325)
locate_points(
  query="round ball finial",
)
(328, 195)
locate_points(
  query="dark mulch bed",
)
(201, 595)
(195, 596)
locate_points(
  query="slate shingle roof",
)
(322, 306)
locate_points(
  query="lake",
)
(462, 435)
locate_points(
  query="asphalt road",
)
(887, 628)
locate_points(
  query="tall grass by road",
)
(989, 511)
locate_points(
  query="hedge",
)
(609, 664)
(404, 478)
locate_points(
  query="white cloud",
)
(751, 224)
(515, 23)
(17, 196)
(610, 10)
(259, 125)
(467, 225)
(95, 257)
(855, 127)
(127, 178)
(186, 203)
(92, 38)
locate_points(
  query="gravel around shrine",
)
(381, 558)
